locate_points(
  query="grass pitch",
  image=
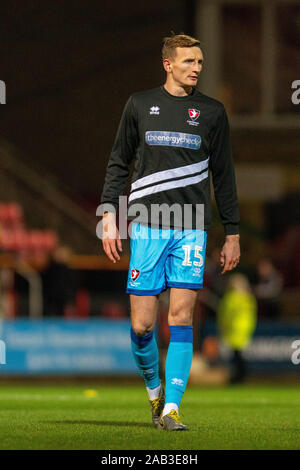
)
(119, 417)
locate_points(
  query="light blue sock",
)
(145, 353)
(178, 362)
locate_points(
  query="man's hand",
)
(111, 238)
(230, 254)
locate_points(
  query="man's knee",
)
(140, 328)
(180, 317)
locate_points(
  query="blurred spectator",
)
(59, 284)
(268, 289)
(237, 315)
(113, 310)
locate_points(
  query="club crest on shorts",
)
(135, 274)
(193, 115)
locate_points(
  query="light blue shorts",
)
(161, 258)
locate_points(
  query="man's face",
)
(186, 66)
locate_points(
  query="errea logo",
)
(154, 110)
(148, 372)
(177, 382)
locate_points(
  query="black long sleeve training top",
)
(174, 141)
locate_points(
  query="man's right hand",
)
(110, 237)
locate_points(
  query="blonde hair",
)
(177, 40)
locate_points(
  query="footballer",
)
(176, 137)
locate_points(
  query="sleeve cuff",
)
(231, 229)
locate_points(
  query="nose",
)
(197, 68)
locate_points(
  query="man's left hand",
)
(230, 254)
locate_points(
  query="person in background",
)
(237, 316)
(268, 289)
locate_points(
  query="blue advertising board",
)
(61, 346)
(98, 346)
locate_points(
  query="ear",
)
(167, 65)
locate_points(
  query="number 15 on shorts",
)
(197, 256)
